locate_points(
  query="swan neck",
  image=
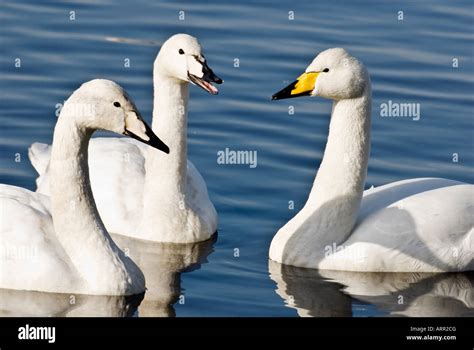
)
(77, 223)
(344, 166)
(170, 123)
(335, 198)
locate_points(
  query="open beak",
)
(303, 86)
(208, 77)
(137, 128)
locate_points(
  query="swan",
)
(144, 194)
(415, 225)
(58, 244)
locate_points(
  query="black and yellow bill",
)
(303, 86)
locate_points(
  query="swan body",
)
(58, 243)
(142, 194)
(121, 200)
(416, 225)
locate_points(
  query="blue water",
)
(410, 60)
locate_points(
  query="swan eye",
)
(117, 104)
(325, 70)
(181, 52)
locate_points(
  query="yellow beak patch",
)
(303, 86)
(305, 83)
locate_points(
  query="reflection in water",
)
(162, 264)
(330, 293)
(17, 303)
(308, 292)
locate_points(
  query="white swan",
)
(145, 194)
(66, 249)
(412, 225)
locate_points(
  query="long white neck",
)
(98, 261)
(165, 182)
(337, 190)
(329, 215)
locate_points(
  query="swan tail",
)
(39, 154)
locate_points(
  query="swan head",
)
(333, 74)
(103, 104)
(181, 57)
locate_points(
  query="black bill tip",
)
(216, 79)
(153, 140)
(209, 75)
(286, 92)
(158, 144)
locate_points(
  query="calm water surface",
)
(409, 61)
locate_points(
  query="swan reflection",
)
(162, 264)
(320, 293)
(19, 303)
